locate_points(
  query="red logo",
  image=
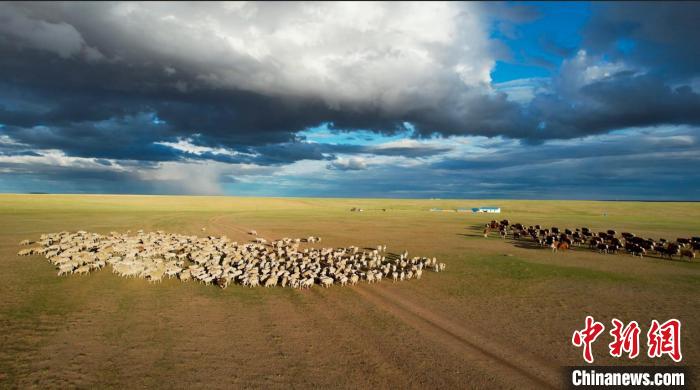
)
(586, 336)
(665, 339)
(626, 339)
(662, 339)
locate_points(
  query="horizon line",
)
(357, 197)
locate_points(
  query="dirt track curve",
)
(460, 339)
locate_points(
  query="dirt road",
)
(513, 367)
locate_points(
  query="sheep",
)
(155, 277)
(307, 283)
(271, 281)
(65, 269)
(184, 275)
(326, 282)
(154, 255)
(25, 252)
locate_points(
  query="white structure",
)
(495, 210)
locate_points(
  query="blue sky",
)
(535, 46)
(452, 100)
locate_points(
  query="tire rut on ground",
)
(440, 329)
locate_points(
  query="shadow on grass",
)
(470, 235)
(528, 245)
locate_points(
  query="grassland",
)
(501, 316)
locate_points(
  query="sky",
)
(547, 100)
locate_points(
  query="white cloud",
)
(397, 56)
(348, 164)
(187, 145)
(522, 90)
(437, 145)
(57, 158)
(583, 69)
(6, 140)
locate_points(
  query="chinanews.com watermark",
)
(662, 342)
(599, 377)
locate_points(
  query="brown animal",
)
(486, 232)
(559, 245)
(688, 253)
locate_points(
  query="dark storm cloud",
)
(71, 92)
(639, 164)
(616, 102)
(413, 151)
(73, 89)
(664, 35)
(71, 112)
(74, 93)
(678, 142)
(105, 110)
(71, 95)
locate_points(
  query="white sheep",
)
(153, 255)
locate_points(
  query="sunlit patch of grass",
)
(519, 269)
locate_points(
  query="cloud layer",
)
(156, 94)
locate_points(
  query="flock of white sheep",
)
(220, 261)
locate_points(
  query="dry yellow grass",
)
(488, 321)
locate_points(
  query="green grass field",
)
(501, 310)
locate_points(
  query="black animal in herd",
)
(604, 242)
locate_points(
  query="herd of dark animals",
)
(604, 242)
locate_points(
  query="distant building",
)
(486, 210)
